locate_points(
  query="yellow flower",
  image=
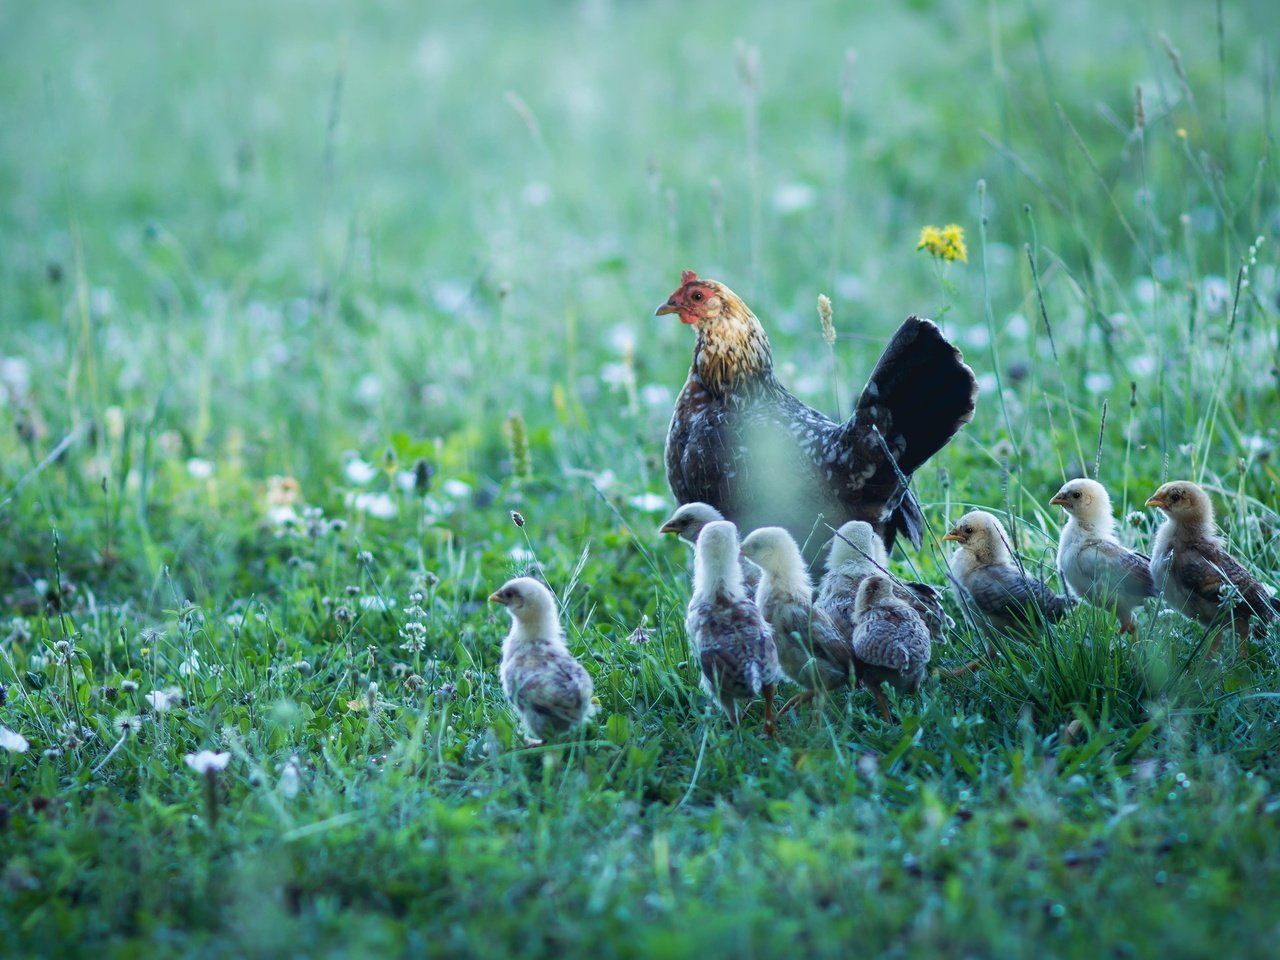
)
(946, 243)
(953, 237)
(931, 240)
(1182, 133)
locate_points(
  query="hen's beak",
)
(668, 528)
(1157, 502)
(666, 308)
(497, 598)
(1059, 499)
(952, 535)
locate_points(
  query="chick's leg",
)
(803, 697)
(883, 701)
(769, 727)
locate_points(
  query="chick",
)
(890, 642)
(732, 642)
(985, 573)
(1193, 570)
(856, 553)
(687, 522)
(1091, 561)
(549, 689)
(811, 650)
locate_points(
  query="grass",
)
(252, 242)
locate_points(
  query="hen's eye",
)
(697, 295)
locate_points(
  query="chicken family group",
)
(744, 453)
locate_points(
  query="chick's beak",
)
(666, 308)
(1060, 499)
(952, 535)
(1156, 502)
(668, 528)
(497, 598)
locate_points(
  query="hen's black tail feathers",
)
(920, 393)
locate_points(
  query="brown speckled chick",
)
(550, 690)
(687, 522)
(1194, 572)
(856, 553)
(987, 577)
(890, 642)
(811, 650)
(730, 638)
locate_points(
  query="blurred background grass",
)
(240, 241)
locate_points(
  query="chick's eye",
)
(966, 530)
(1075, 495)
(1175, 498)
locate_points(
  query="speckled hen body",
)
(741, 442)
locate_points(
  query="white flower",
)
(12, 741)
(521, 555)
(359, 471)
(655, 395)
(456, 489)
(199, 468)
(649, 502)
(406, 481)
(536, 193)
(376, 603)
(283, 517)
(127, 724)
(290, 779)
(206, 761)
(377, 505)
(190, 666)
(1215, 293)
(369, 389)
(160, 701)
(1097, 382)
(794, 197)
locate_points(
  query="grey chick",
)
(856, 553)
(987, 576)
(811, 650)
(732, 642)
(687, 522)
(1092, 562)
(890, 642)
(1194, 572)
(549, 689)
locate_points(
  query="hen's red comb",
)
(687, 277)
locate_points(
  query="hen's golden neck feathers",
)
(732, 348)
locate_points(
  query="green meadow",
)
(300, 301)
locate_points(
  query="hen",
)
(740, 442)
